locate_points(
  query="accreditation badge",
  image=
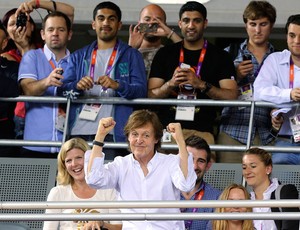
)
(245, 94)
(89, 112)
(60, 119)
(295, 126)
(185, 113)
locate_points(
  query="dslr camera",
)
(21, 20)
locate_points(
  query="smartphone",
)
(184, 66)
(21, 20)
(247, 57)
(148, 27)
(60, 72)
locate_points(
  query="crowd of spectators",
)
(191, 68)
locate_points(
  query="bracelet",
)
(98, 143)
(37, 4)
(170, 34)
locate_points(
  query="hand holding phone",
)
(60, 72)
(247, 57)
(184, 66)
(148, 27)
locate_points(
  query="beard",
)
(151, 38)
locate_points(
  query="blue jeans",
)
(286, 158)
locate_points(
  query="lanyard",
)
(201, 57)
(198, 196)
(110, 62)
(52, 64)
(292, 73)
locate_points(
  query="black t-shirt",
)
(217, 65)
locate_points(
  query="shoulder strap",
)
(277, 194)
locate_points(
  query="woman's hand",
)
(93, 225)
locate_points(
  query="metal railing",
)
(148, 101)
(147, 204)
(150, 216)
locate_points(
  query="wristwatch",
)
(208, 86)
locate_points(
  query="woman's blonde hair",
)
(63, 177)
(223, 224)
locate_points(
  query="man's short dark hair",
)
(193, 6)
(108, 5)
(293, 19)
(58, 14)
(199, 143)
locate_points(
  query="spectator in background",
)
(73, 187)
(106, 68)
(17, 45)
(40, 75)
(202, 191)
(145, 174)
(195, 77)
(257, 169)
(26, 38)
(278, 82)
(233, 192)
(259, 18)
(148, 43)
(8, 88)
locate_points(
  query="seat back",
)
(24, 180)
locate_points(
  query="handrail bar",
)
(150, 204)
(151, 216)
(147, 101)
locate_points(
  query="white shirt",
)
(272, 83)
(265, 224)
(163, 182)
(65, 193)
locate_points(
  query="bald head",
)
(150, 12)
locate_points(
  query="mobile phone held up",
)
(148, 27)
(21, 20)
(247, 57)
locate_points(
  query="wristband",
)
(171, 33)
(37, 4)
(98, 143)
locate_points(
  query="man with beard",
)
(192, 69)
(40, 74)
(202, 191)
(106, 68)
(148, 43)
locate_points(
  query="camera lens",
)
(21, 20)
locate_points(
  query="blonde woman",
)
(233, 192)
(73, 187)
